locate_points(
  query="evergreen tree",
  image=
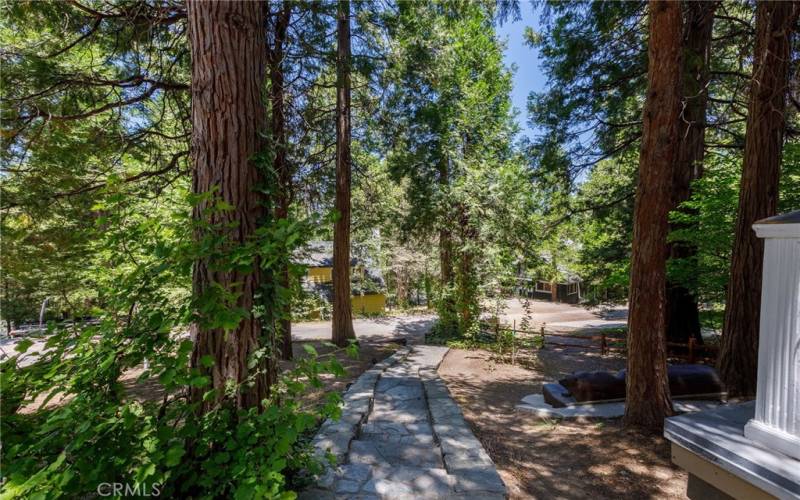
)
(776, 23)
(452, 92)
(647, 399)
(228, 120)
(683, 318)
(342, 310)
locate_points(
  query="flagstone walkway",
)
(402, 436)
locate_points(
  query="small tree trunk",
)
(445, 234)
(280, 163)
(683, 319)
(647, 393)
(758, 192)
(466, 286)
(228, 118)
(342, 311)
(446, 305)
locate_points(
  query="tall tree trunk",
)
(342, 312)
(447, 306)
(683, 319)
(280, 164)
(445, 234)
(466, 286)
(228, 118)
(647, 393)
(758, 192)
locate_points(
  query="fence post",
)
(603, 345)
(691, 350)
(541, 332)
(513, 341)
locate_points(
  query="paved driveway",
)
(556, 316)
(413, 327)
(559, 316)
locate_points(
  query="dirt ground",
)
(370, 352)
(551, 459)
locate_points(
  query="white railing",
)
(776, 424)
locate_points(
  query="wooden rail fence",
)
(605, 343)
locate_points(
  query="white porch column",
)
(776, 424)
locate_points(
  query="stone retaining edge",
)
(334, 436)
(464, 456)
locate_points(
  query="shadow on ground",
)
(547, 459)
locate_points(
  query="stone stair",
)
(405, 440)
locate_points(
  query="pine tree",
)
(758, 192)
(342, 308)
(683, 318)
(228, 123)
(647, 390)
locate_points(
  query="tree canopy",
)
(162, 175)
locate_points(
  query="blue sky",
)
(527, 76)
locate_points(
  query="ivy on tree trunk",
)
(280, 162)
(228, 118)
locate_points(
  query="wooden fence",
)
(605, 343)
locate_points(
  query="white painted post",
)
(776, 424)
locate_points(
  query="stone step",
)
(394, 482)
(413, 453)
(391, 430)
(400, 415)
(382, 481)
(402, 436)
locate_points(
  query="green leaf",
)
(167, 377)
(23, 345)
(174, 455)
(108, 361)
(145, 472)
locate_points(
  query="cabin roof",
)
(319, 254)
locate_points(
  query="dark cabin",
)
(553, 291)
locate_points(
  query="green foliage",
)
(310, 306)
(451, 149)
(706, 221)
(94, 432)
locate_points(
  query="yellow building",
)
(320, 274)
(367, 296)
(368, 304)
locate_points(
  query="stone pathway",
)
(401, 436)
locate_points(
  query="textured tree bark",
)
(446, 275)
(466, 285)
(647, 393)
(280, 165)
(445, 234)
(758, 192)
(683, 319)
(228, 117)
(342, 311)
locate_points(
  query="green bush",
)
(94, 433)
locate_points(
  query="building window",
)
(543, 286)
(572, 288)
